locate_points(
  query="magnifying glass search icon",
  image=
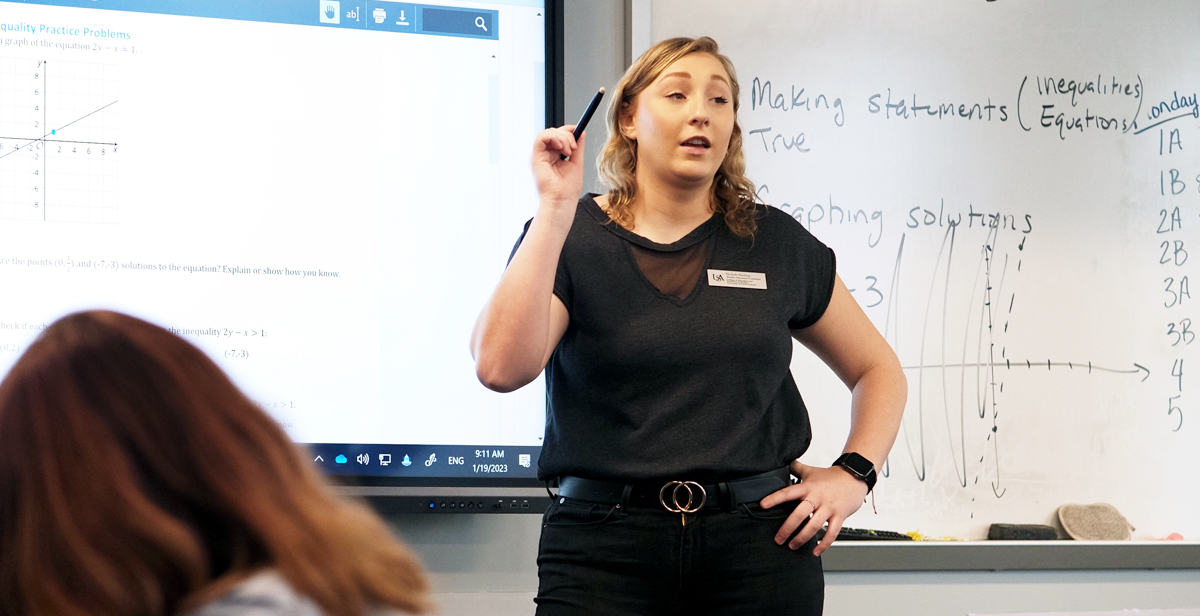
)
(479, 23)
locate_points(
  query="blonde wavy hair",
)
(733, 194)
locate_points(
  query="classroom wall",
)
(486, 564)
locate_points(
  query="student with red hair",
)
(136, 479)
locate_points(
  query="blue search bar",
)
(459, 22)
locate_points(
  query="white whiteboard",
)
(1040, 334)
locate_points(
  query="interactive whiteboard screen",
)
(319, 194)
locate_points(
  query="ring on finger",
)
(810, 503)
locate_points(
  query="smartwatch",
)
(858, 466)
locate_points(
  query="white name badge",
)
(737, 280)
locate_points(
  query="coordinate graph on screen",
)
(319, 195)
(58, 140)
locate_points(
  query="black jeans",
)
(602, 559)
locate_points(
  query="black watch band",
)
(858, 466)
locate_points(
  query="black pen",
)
(586, 117)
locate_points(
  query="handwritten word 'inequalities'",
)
(1099, 85)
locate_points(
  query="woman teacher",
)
(663, 314)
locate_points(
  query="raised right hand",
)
(522, 323)
(559, 182)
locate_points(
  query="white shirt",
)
(267, 593)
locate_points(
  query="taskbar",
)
(425, 461)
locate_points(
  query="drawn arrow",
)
(1031, 364)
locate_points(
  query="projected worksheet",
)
(320, 195)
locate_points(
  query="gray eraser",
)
(1022, 532)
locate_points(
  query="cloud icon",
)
(340, 459)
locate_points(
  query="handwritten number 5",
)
(1172, 409)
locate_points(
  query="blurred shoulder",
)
(266, 593)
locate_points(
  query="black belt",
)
(677, 496)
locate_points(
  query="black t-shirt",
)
(663, 373)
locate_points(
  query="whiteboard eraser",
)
(1022, 532)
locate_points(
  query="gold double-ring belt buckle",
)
(691, 487)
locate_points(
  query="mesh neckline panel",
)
(674, 269)
(673, 273)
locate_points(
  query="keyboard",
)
(863, 534)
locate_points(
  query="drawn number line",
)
(1030, 364)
